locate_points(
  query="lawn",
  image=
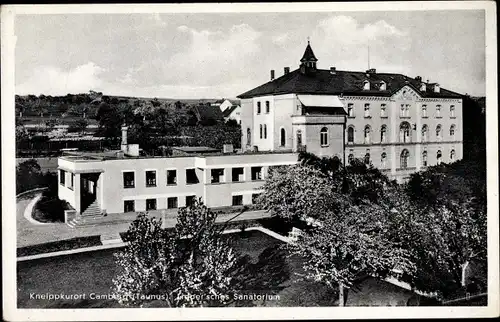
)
(270, 271)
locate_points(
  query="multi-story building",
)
(397, 123)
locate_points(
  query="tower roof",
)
(308, 54)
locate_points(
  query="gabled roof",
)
(308, 54)
(227, 112)
(342, 82)
(207, 112)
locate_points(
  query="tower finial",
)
(308, 40)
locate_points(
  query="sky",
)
(214, 55)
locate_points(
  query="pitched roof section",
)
(308, 54)
(207, 112)
(342, 82)
(229, 110)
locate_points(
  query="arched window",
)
(452, 110)
(439, 156)
(350, 135)
(405, 132)
(383, 134)
(367, 110)
(367, 158)
(424, 158)
(452, 132)
(424, 110)
(383, 110)
(383, 160)
(405, 155)
(261, 131)
(350, 110)
(367, 134)
(425, 133)
(350, 158)
(299, 137)
(439, 133)
(323, 136)
(249, 136)
(452, 155)
(438, 110)
(282, 137)
(366, 85)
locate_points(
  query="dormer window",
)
(423, 87)
(366, 85)
(383, 86)
(436, 88)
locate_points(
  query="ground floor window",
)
(150, 204)
(172, 203)
(190, 200)
(129, 206)
(255, 196)
(237, 200)
(62, 177)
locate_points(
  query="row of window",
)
(404, 110)
(173, 202)
(191, 177)
(259, 108)
(62, 179)
(263, 131)
(404, 158)
(404, 133)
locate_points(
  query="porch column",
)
(77, 191)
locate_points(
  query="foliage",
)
(191, 265)
(213, 136)
(78, 125)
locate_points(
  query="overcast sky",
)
(207, 55)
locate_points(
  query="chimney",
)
(124, 134)
(371, 71)
(333, 70)
(272, 74)
(287, 70)
(418, 78)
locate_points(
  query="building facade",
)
(397, 123)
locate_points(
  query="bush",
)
(50, 210)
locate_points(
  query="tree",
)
(110, 121)
(28, 174)
(79, 125)
(190, 265)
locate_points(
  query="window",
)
(350, 135)
(405, 110)
(383, 160)
(71, 181)
(282, 137)
(383, 134)
(172, 203)
(129, 179)
(150, 204)
(237, 200)
(452, 155)
(424, 110)
(404, 132)
(258, 107)
(216, 175)
(438, 110)
(367, 158)
(249, 136)
(151, 178)
(323, 136)
(439, 156)
(129, 206)
(62, 177)
(438, 132)
(171, 177)
(265, 131)
(190, 200)
(424, 158)
(350, 110)
(405, 155)
(366, 85)
(267, 107)
(260, 131)
(256, 173)
(452, 132)
(367, 110)
(425, 132)
(452, 110)
(237, 174)
(382, 86)
(255, 197)
(299, 138)
(367, 134)
(383, 110)
(350, 158)
(191, 177)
